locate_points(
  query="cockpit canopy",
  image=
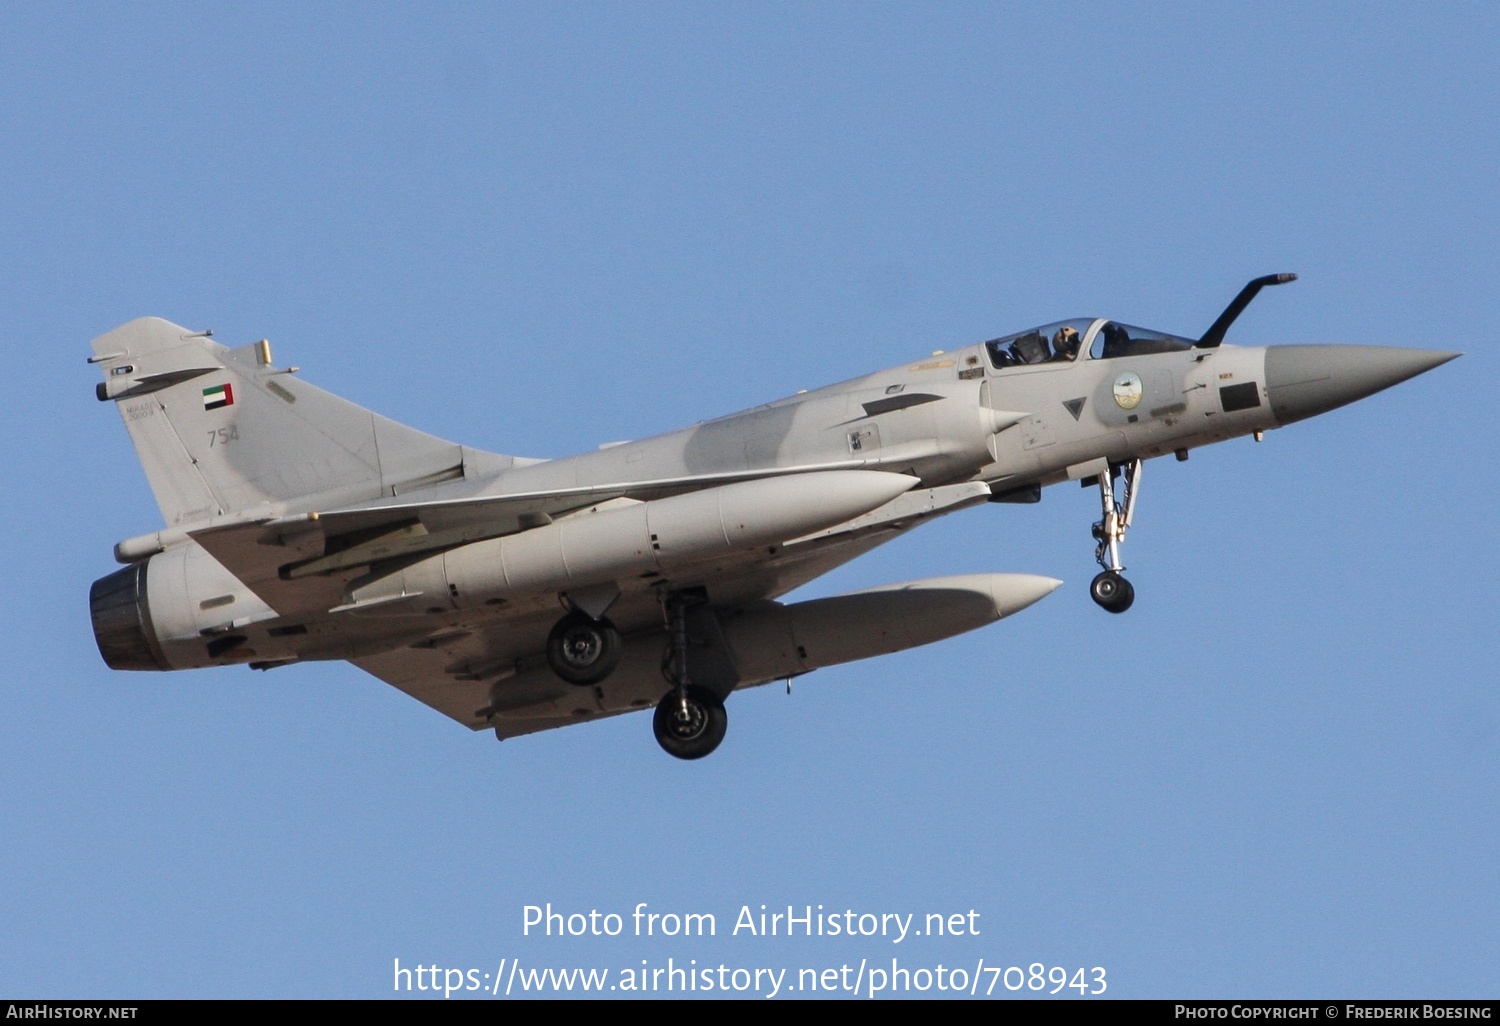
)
(1062, 341)
(1050, 343)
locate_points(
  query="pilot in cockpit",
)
(1065, 343)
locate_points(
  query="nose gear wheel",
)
(1112, 591)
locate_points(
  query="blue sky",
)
(535, 228)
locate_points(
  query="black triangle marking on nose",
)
(1074, 406)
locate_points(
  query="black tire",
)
(696, 735)
(582, 650)
(1112, 592)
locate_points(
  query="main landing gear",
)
(690, 721)
(1109, 589)
(583, 650)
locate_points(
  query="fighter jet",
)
(520, 594)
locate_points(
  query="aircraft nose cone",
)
(1304, 381)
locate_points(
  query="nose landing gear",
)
(1109, 589)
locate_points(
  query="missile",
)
(613, 542)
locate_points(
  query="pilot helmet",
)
(1066, 339)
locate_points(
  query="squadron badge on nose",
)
(1128, 390)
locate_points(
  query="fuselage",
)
(957, 416)
(992, 421)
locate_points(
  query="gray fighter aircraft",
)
(523, 594)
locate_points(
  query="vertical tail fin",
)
(221, 431)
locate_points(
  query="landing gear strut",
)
(1109, 589)
(690, 721)
(583, 650)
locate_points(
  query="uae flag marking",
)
(219, 395)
